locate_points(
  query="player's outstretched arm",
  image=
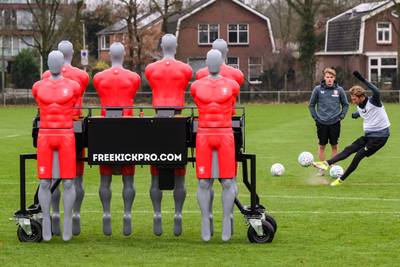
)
(376, 97)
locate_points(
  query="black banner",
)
(119, 141)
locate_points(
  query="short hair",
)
(357, 91)
(330, 71)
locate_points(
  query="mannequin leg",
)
(69, 195)
(228, 198)
(44, 201)
(128, 194)
(203, 198)
(215, 174)
(55, 196)
(156, 197)
(76, 216)
(179, 198)
(105, 197)
(236, 189)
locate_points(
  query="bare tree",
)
(283, 19)
(135, 12)
(308, 41)
(130, 10)
(52, 21)
(166, 8)
(102, 16)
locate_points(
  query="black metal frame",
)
(255, 210)
(35, 207)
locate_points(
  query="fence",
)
(24, 97)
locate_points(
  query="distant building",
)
(16, 29)
(363, 38)
(248, 33)
(118, 32)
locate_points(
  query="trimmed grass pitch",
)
(356, 224)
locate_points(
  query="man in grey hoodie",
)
(328, 106)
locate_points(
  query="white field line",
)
(13, 136)
(332, 197)
(17, 183)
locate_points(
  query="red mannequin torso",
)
(56, 100)
(116, 87)
(168, 79)
(214, 99)
(77, 75)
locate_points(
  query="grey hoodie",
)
(331, 102)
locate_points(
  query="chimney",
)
(353, 13)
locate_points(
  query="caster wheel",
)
(272, 221)
(268, 236)
(36, 233)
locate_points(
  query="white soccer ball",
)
(305, 159)
(277, 169)
(336, 171)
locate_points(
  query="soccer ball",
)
(305, 159)
(336, 171)
(277, 169)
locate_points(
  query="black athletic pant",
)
(363, 147)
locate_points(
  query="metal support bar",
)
(251, 186)
(22, 178)
(239, 206)
(253, 195)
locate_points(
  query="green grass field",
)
(357, 224)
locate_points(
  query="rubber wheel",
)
(272, 221)
(268, 236)
(36, 233)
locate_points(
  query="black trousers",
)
(363, 147)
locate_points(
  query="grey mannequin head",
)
(168, 45)
(67, 49)
(55, 61)
(117, 53)
(214, 61)
(222, 47)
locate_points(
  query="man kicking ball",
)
(376, 129)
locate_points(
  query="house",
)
(247, 32)
(150, 27)
(363, 38)
(16, 28)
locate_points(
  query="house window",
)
(24, 20)
(255, 69)
(196, 64)
(233, 62)
(15, 46)
(8, 18)
(105, 42)
(382, 69)
(384, 33)
(238, 33)
(208, 33)
(7, 44)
